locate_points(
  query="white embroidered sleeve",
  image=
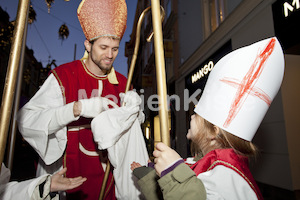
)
(43, 119)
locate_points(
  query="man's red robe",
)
(76, 82)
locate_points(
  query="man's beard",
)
(104, 68)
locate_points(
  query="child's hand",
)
(61, 183)
(135, 165)
(164, 157)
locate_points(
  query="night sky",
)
(43, 37)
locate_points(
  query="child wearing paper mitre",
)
(236, 97)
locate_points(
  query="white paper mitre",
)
(241, 87)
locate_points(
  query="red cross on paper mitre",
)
(247, 87)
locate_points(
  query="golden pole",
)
(160, 72)
(129, 78)
(14, 125)
(12, 71)
(137, 43)
(136, 48)
(105, 178)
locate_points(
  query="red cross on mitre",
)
(247, 87)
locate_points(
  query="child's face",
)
(195, 125)
(203, 134)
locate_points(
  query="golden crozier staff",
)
(11, 76)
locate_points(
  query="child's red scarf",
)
(228, 158)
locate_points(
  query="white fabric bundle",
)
(118, 130)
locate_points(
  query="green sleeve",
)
(148, 183)
(182, 183)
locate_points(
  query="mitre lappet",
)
(241, 87)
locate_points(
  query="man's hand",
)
(77, 108)
(164, 157)
(61, 183)
(132, 99)
(90, 108)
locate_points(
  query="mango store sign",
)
(202, 72)
(289, 7)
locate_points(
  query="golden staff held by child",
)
(160, 73)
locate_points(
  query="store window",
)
(217, 13)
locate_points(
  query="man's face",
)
(103, 52)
